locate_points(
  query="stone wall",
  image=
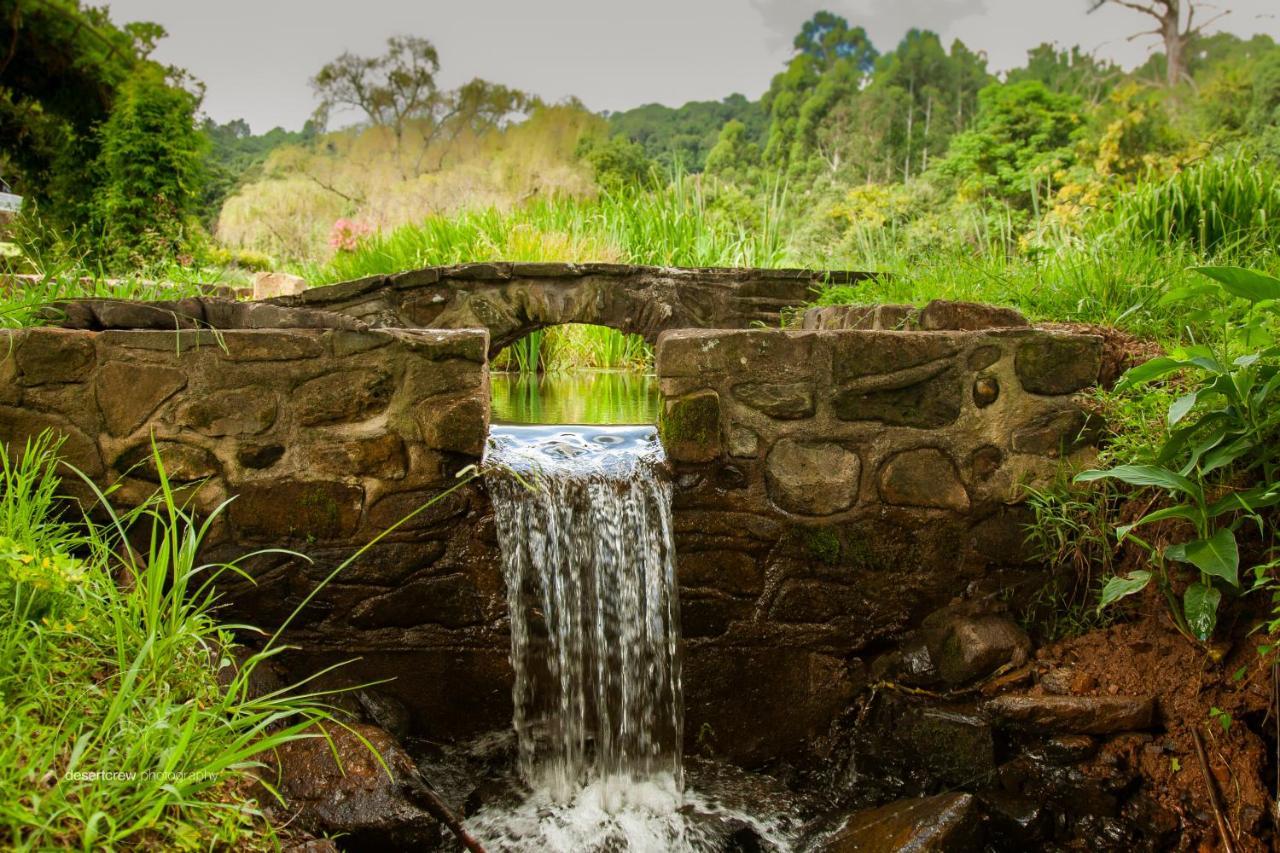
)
(833, 487)
(325, 439)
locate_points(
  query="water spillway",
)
(584, 523)
(583, 517)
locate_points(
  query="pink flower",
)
(345, 235)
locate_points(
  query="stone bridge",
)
(833, 483)
(513, 299)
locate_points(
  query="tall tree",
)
(389, 89)
(1175, 25)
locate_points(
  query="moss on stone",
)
(690, 427)
(823, 544)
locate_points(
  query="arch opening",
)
(574, 373)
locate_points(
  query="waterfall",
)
(584, 522)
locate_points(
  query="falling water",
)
(584, 519)
(584, 522)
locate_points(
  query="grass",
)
(120, 734)
(670, 227)
(575, 346)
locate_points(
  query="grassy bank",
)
(131, 723)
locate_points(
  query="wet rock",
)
(342, 789)
(1076, 714)
(812, 478)
(925, 478)
(384, 711)
(1014, 821)
(952, 747)
(964, 647)
(947, 823)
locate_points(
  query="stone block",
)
(744, 443)
(1058, 364)
(18, 426)
(924, 477)
(943, 314)
(183, 463)
(1094, 715)
(297, 509)
(861, 354)
(269, 345)
(49, 356)
(238, 411)
(451, 601)
(128, 393)
(690, 427)
(1056, 432)
(784, 401)
(459, 425)
(381, 456)
(267, 285)
(812, 478)
(340, 397)
(731, 572)
(925, 399)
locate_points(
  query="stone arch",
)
(513, 299)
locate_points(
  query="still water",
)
(576, 397)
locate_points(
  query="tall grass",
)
(1221, 202)
(668, 227)
(575, 346)
(119, 733)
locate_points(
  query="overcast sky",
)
(256, 56)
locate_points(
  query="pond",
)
(575, 397)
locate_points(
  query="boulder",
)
(941, 824)
(268, 285)
(1094, 715)
(339, 787)
(964, 647)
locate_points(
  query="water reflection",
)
(575, 397)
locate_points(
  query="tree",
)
(1170, 27)
(151, 168)
(617, 162)
(389, 89)
(828, 38)
(1023, 134)
(735, 158)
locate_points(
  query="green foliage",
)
(1219, 202)
(682, 137)
(150, 165)
(1218, 461)
(617, 163)
(1023, 136)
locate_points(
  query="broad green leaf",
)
(1247, 284)
(1143, 475)
(1218, 556)
(1149, 371)
(1222, 456)
(1181, 406)
(1200, 606)
(1118, 587)
(1183, 511)
(1176, 551)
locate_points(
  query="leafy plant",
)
(1218, 461)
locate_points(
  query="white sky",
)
(256, 56)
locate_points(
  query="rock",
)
(451, 601)
(268, 285)
(353, 795)
(55, 356)
(983, 357)
(240, 411)
(1095, 715)
(743, 442)
(128, 393)
(459, 426)
(385, 711)
(812, 478)
(926, 398)
(947, 823)
(183, 463)
(690, 427)
(986, 390)
(1058, 364)
(339, 397)
(297, 509)
(790, 401)
(965, 647)
(732, 572)
(943, 314)
(924, 478)
(1057, 432)
(953, 747)
(380, 456)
